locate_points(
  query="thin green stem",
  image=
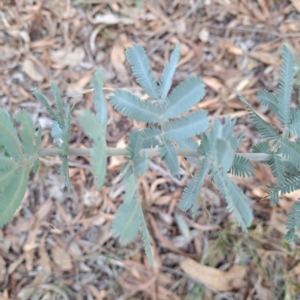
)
(149, 152)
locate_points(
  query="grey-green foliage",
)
(169, 129)
(170, 125)
(17, 159)
(94, 126)
(60, 127)
(283, 148)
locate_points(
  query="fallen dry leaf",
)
(67, 57)
(213, 83)
(32, 71)
(61, 258)
(232, 48)
(266, 58)
(108, 19)
(216, 279)
(203, 35)
(296, 4)
(2, 269)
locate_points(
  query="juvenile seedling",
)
(170, 132)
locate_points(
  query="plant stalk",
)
(150, 152)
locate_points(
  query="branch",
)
(150, 152)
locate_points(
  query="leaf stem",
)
(150, 152)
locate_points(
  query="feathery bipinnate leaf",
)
(262, 147)
(277, 167)
(291, 237)
(291, 151)
(269, 100)
(135, 108)
(168, 72)
(294, 126)
(99, 99)
(146, 237)
(185, 127)
(8, 136)
(228, 127)
(27, 131)
(169, 156)
(42, 99)
(58, 104)
(289, 185)
(235, 141)
(188, 143)
(130, 218)
(139, 160)
(12, 194)
(184, 96)
(208, 141)
(241, 166)
(140, 66)
(266, 130)
(151, 137)
(285, 85)
(126, 222)
(236, 200)
(190, 195)
(293, 223)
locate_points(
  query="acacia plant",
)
(169, 134)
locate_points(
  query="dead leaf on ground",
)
(117, 57)
(2, 269)
(32, 70)
(109, 19)
(67, 57)
(266, 58)
(296, 4)
(216, 279)
(61, 258)
(231, 48)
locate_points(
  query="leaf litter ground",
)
(60, 246)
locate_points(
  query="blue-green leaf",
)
(59, 105)
(127, 221)
(191, 193)
(168, 72)
(99, 99)
(169, 156)
(99, 160)
(184, 97)
(27, 131)
(224, 154)
(12, 195)
(140, 66)
(90, 125)
(42, 99)
(185, 127)
(269, 100)
(135, 108)
(285, 85)
(8, 136)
